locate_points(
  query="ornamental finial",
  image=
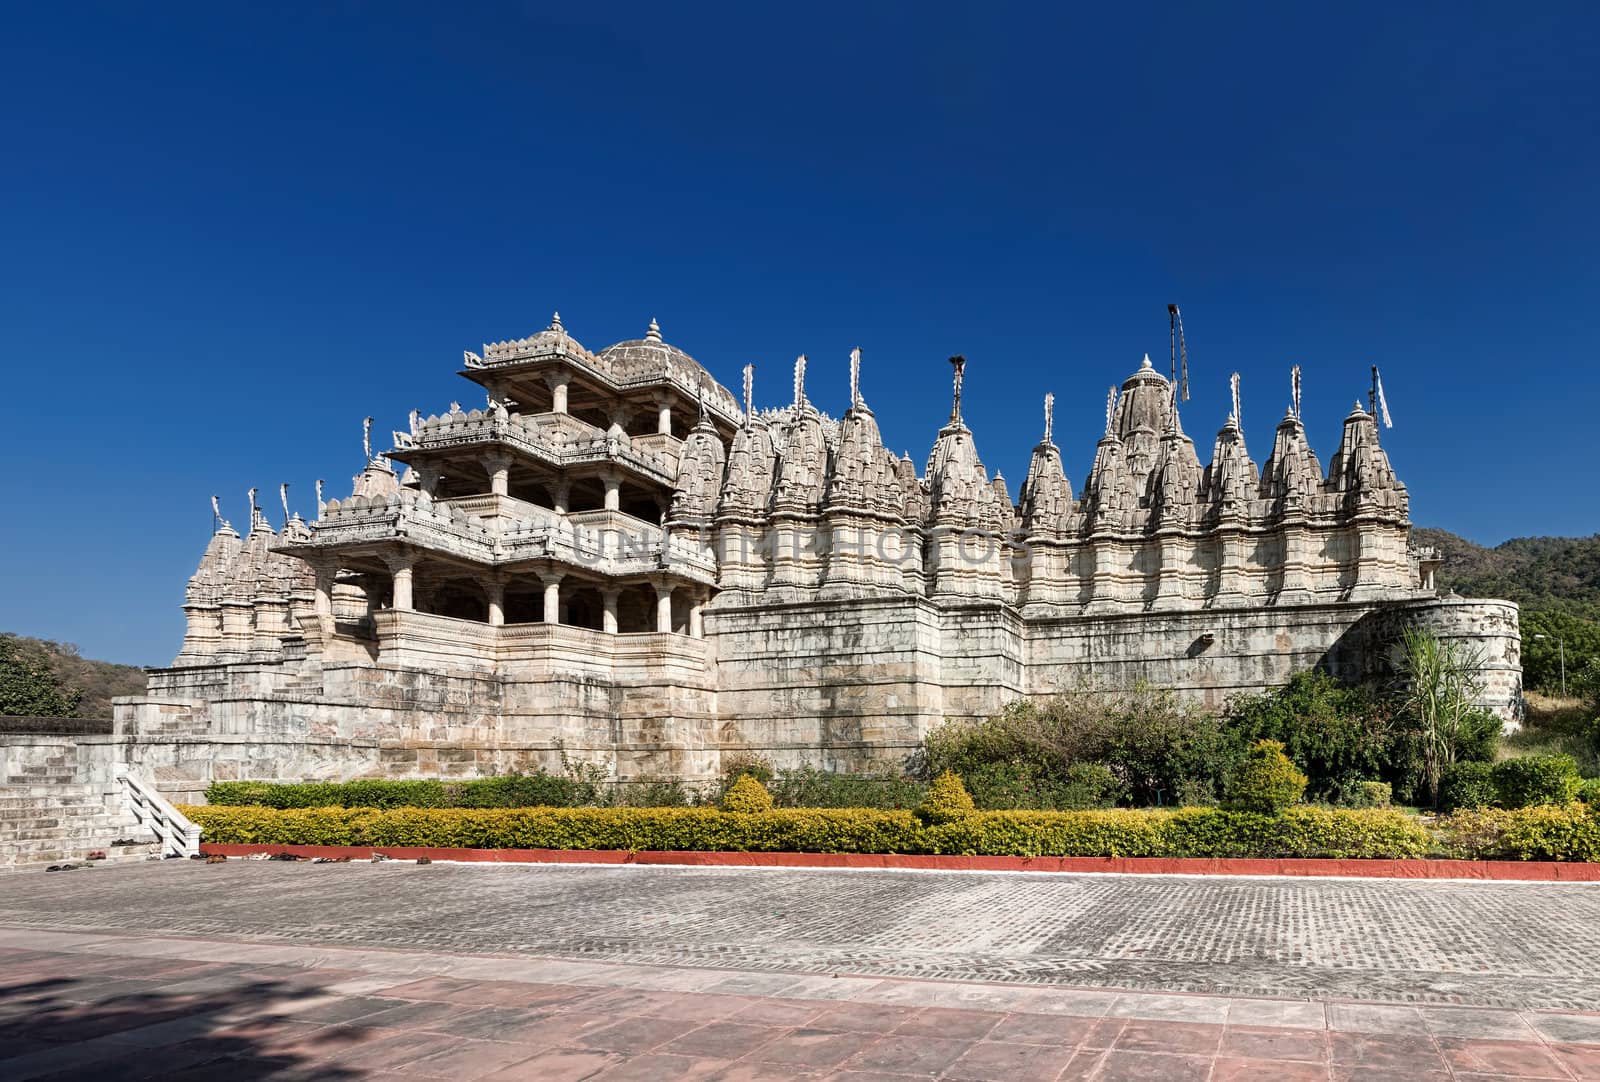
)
(855, 377)
(800, 380)
(653, 333)
(749, 393)
(959, 363)
(1049, 415)
(555, 324)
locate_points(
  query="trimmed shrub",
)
(746, 796)
(1193, 832)
(1369, 794)
(947, 800)
(1536, 779)
(1467, 785)
(1266, 782)
(1542, 832)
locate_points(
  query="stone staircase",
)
(48, 815)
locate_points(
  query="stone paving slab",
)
(1513, 945)
(124, 1006)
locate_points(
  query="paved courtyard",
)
(344, 971)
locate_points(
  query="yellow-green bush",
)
(1191, 832)
(747, 796)
(1542, 832)
(1266, 782)
(947, 800)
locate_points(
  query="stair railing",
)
(178, 836)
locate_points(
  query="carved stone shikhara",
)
(618, 559)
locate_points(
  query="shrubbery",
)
(1340, 736)
(1192, 832)
(1266, 782)
(1536, 779)
(1467, 785)
(1547, 832)
(746, 796)
(947, 800)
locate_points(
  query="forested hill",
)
(98, 681)
(1539, 572)
(1556, 580)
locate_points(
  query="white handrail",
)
(178, 836)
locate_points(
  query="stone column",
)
(609, 619)
(696, 616)
(663, 607)
(557, 382)
(498, 463)
(561, 496)
(494, 592)
(428, 476)
(552, 596)
(613, 483)
(323, 596)
(664, 415)
(401, 568)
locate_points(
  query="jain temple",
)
(619, 559)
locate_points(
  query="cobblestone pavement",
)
(1487, 944)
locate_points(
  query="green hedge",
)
(1193, 832)
(512, 791)
(1543, 832)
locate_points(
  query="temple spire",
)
(749, 393)
(800, 380)
(959, 363)
(855, 377)
(1049, 416)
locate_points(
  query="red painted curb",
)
(1550, 871)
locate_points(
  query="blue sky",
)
(230, 233)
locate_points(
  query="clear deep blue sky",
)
(229, 235)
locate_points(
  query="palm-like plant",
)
(1441, 688)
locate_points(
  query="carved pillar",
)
(696, 615)
(608, 622)
(663, 606)
(494, 594)
(557, 382)
(552, 597)
(428, 476)
(322, 595)
(498, 463)
(561, 495)
(613, 483)
(664, 415)
(401, 567)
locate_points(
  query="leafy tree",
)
(1341, 736)
(29, 687)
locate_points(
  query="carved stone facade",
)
(614, 559)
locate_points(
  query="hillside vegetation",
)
(53, 678)
(1556, 580)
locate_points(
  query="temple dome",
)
(1145, 401)
(649, 359)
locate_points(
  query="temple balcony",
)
(557, 440)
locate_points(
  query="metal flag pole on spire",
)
(283, 497)
(216, 514)
(1294, 389)
(1180, 369)
(749, 392)
(319, 497)
(254, 510)
(800, 380)
(1049, 415)
(855, 377)
(1380, 406)
(1111, 408)
(366, 438)
(959, 363)
(1238, 419)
